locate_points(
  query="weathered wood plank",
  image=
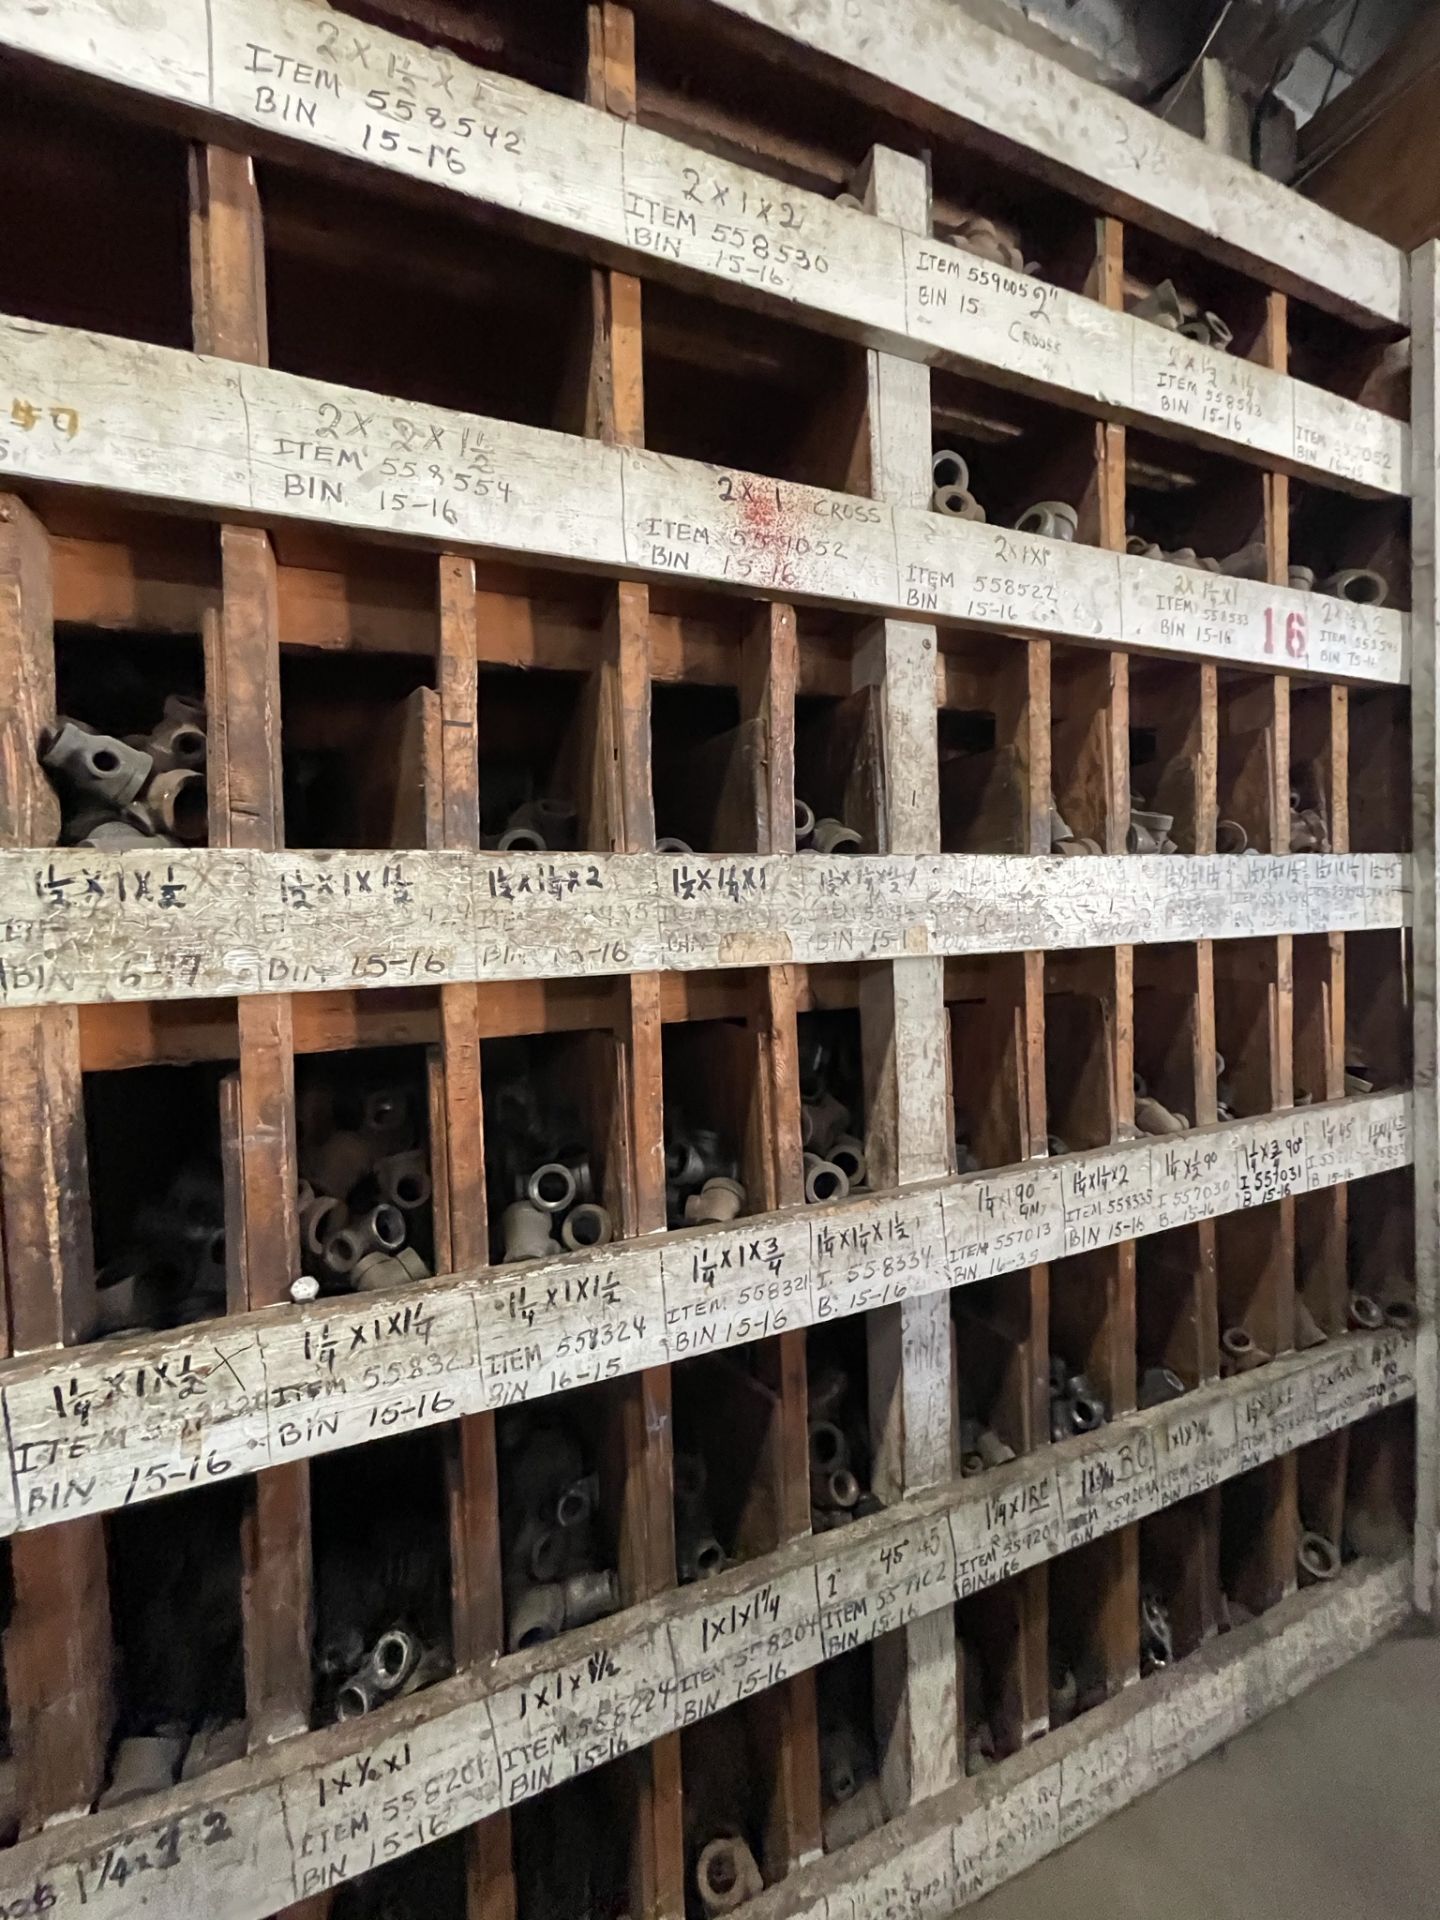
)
(623, 194)
(123, 1421)
(251, 1837)
(965, 1844)
(77, 928)
(156, 423)
(1098, 144)
(1425, 772)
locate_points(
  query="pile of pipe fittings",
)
(698, 1551)
(145, 790)
(543, 825)
(839, 1453)
(1157, 1385)
(1362, 586)
(1149, 831)
(726, 1874)
(1309, 816)
(1063, 841)
(835, 1160)
(552, 1564)
(1153, 1116)
(396, 1663)
(825, 835)
(1157, 1638)
(850, 1785)
(1165, 306)
(1365, 1314)
(702, 1188)
(147, 1763)
(364, 1191)
(1075, 1405)
(991, 241)
(554, 1210)
(980, 1447)
(174, 1271)
(950, 486)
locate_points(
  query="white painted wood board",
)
(78, 926)
(1097, 143)
(256, 1835)
(294, 71)
(127, 1420)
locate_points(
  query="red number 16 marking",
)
(1296, 638)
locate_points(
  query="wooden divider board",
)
(325, 1807)
(965, 1844)
(628, 194)
(77, 926)
(84, 409)
(130, 1420)
(1096, 143)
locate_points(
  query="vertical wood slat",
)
(903, 1043)
(615, 412)
(1425, 771)
(242, 671)
(57, 1651)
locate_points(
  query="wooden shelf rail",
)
(260, 70)
(263, 1831)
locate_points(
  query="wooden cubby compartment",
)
(1249, 780)
(1204, 286)
(1018, 452)
(428, 1884)
(840, 1434)
(1331, 532)
(1368, 364)
(163, 1215)
(1379, 1517)
(1379, 782)
(1041, 230)
(732, 1767)
(1179, 1581)
(573, 1849)
(749, 391)
(481, 321)
(175, 1612)
(1183, 498)
(1082, 1100)
(716, 1105)
(1259, 1538)
(839, 775)
(381, 1553)
(729, 1462)
(1094, 1624)
(354, 749)
(1174, 1079)
(998, 1371)
(1172, 750)
(553, 1096)
(1091, 1338)
(1378, 1008)
(833, 1105)
(851, 1801)
(100, 234)
(992, 1062)
(1380, 1264)
(563, 1496)
(1255, 1285)
(984, 745)
(1175, 1320)
(1250, 979)
(363, 1137)
(1002, 1662)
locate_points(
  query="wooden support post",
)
(242, 692)
(1425, 770)
(902, 1019)
(57, 1646)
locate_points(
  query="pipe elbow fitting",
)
(404, 1179)
(537, 1615)
(718, 1201)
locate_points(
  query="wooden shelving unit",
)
(480, 415)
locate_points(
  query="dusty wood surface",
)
(154, 423)
(1096, 144)
(1425, 770)
(960, 1847)
(134, 1419)
(277, 71)
(76, 927)
(324, 1807)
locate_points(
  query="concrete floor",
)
(1325, 1811)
